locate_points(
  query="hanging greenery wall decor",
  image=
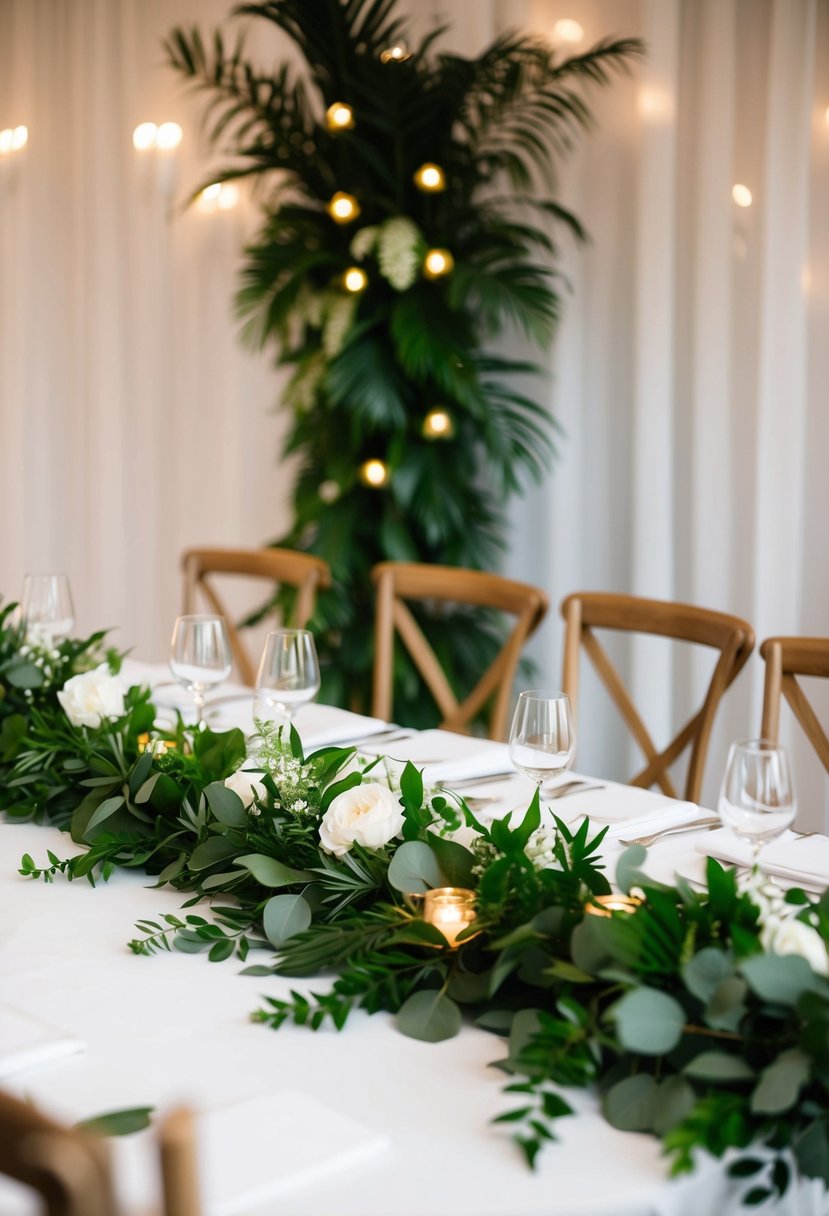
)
(407, 224)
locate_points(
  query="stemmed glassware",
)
(288, 676)
(757, 798)
(542, 740)
(46, 604)
(200, 656)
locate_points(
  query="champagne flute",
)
(200, 656)
(542, 740)
(46, 604)
(288, 676)
(757, 798)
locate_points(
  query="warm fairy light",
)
(6, 140)
(343, 208)
(450, 909)
(339, 117)
(374, 473)
(606, 905)
(438, 424)
(437, 262)
(568, 30)
(20, 137)
(742, 195)
(655, 104)
(396, 54)
(228, 196)
(168, 136)
(218, 196)
(430, 178)
(355, 279)
(144, 136)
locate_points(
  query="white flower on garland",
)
(794, 937)
(249, 788)
(301, 389)
(399, 252)
(540, 849)
(369, 815)
(337, 324)
(90, 698)
(364, 241)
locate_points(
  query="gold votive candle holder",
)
(606, 905)
(450, 909)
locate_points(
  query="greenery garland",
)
(701, 1016)
(408, 222)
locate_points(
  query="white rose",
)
(793, 937)
(368, 814)
(247, 785)
(92, 696)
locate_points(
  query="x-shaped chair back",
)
(584, 612)
(277, 566)
(397, 582)
(787, 658)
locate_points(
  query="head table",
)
(364, 1122)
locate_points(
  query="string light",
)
(218, 196)
(742, 195)
(374, 473)
(568, 30)
(396, 54)
(339, 117)
(438, 262)
(355, 279)
(20, 137)
(144, 136)
(169, 136)
(430, 178)
(438, 424)
(343, 208)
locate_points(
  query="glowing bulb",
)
(396, 54)
(742, 195)
(228, 196)
(355, 279)
(339, 117)
(437, 262)
(20, 137)
(343, 208)
(6, 140)
(438, 424)
(568, 30)
(430, 178)
(655, 104)
(374, 473)
(168, 136)
(144, 136)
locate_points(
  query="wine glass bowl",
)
(757, 798)
(200, 656)
(288, 676)
(46, 604)
(542, 740)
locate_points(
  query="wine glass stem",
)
(756, 846)
(198, 697)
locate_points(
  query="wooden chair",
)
(284, 566)
(396, 582)
(585, 612)
(787, 658)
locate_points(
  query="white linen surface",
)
(26, 1041)
(445, 756)
(799, 860)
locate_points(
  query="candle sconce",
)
(451, 910)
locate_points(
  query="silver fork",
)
(698, 824)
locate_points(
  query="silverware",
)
(382, 736)
(697, 825)
(569, 788)
(466, 782)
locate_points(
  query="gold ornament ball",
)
(437, 262)
(343, 208)
(438, 424)
(430, 178)
(374, 473)
(355, 279)
(339, 117)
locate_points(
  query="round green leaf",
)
(629, 867)
(781, 978)
(215, 848)
(270, 872)
(704, 973)
(673, 1101)
(630, 1104)
(284, 917)
(430, 1016)
(780, 1084)
(414, 869)
(226, 805)
(718, 1066)
(648, 1021)
(727, 1006)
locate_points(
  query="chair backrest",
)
(278, 566)
(68, 1169)
(787, 658)
(179, 1166)
(396, 582)
(584, 612)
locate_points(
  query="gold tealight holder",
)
(606, 905)
(450, 909)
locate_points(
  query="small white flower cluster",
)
(485, 853)
(301, 389)
(399, 252)
(540, 849)
(364, 241)
(338, 322)
(780, 931)
(40, 650)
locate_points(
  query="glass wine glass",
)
(757, 798)
(542, 740)
(288, 676)
(46, 604)
(200, 656)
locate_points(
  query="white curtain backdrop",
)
(689, 373)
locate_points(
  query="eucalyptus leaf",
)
(718, 1066)
(414, 868)
(648, 1021)
(429, 1015)
(211, 851)
(226, 805)
(270, 872)
(630, 1104)
(727, 1007)
(704, 973)
(629, 867)
(285, 916)
(781, 978)
(455, 861)
(781, 1082)
(673, 1101)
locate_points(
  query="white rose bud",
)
(369, 815)
(793, 937)
(91, 697)
(247, 785)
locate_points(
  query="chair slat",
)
(786, 658)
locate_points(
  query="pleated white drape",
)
(689, 373)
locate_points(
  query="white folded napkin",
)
(256, 1149)
(799, 860)
(25, 1042)
(668, 813)
(445, 756)
(321, 725)
(617, 803)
